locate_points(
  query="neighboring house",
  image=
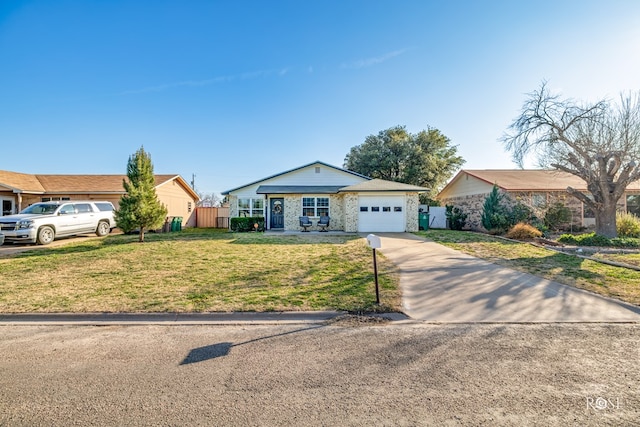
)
(19, 190)
(354, 202)
(537, 189)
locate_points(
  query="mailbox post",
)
(374, 243)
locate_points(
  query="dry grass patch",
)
(197, 271)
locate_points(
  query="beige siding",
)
(465, 185)
(178, 202)
(306, 176)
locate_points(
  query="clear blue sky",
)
(234, 91)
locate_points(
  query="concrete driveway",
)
(443, 285)
(14, 248)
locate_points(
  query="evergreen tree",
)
(139, 206)
(495, 216)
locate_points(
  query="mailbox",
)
(374, 241)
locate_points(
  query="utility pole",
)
(193, 181)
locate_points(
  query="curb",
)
(177, 319)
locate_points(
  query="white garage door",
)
(381, 214)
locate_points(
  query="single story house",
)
(353, 202)
(535, 188)
(19, 190)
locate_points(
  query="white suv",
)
(43, 222)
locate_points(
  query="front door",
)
(277, 213)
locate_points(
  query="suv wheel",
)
(103, 228)
(46, 235)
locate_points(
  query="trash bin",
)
(423, 220)
(174, 223)
(178, 223)
(167, 225)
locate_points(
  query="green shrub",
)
(625, 242)
(243, 224)
(521, 213)
(457, 218)
(628, 225)
(522, 231)
(557, 216)
(498, 217)
(590, 239)
(568, 239)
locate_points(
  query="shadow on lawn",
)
(555, 266)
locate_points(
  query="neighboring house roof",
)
(80, 184)
(224, 193)
(524, 180)
(298, 189)
(382, 185)
(529, 179)
(20, 182)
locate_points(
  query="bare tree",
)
(209, 200)
(597, 142)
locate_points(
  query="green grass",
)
(198, 270)
(616, 282)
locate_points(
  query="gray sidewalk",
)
(443, 285)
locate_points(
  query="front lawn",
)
(198, 270)
(616, 282)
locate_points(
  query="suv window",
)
(83, 207)
(104, 207)
(67, 210)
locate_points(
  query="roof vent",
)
(317, 169)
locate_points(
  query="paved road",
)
(338, 374)
(443, 285)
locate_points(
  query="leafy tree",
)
(597, 142)
(425, 159)
(139, 206)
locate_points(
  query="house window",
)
(633, 204)
(315, 206)
(250, 207)
(397, 208)
(375, 208)
(587, 212)
(386, 209)
(364, 209)
(54, 199)
(539, 200)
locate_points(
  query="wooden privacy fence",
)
(212, 217)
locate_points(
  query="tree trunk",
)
(606, 221)
(141, 239)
